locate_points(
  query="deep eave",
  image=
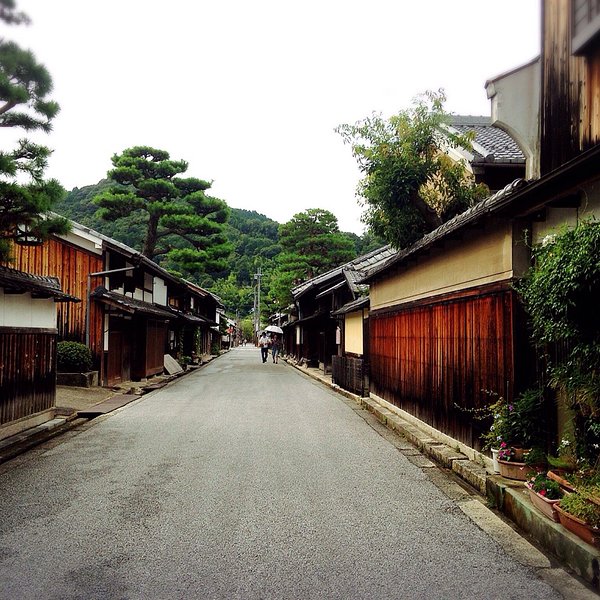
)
(18, 282)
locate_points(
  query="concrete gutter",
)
(508, 496)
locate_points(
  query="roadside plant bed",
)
(544, 494)
(581, 517)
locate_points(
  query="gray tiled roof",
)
(19, 281)
(493, 144)
(128, 304)
(352, 270)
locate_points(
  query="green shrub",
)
(578, 506)
(73, 357)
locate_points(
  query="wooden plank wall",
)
(427, 358)
(71, 265)
(570, 102)
(27, 372)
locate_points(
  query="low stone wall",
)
(89, 379)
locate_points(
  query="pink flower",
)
(542, 492)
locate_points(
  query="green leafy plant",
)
(410, 185)
(73, 357)
(516, 423)
(545, 486)
(536, 457)
(559, 294)
(579, 506)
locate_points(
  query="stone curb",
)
(510, 497)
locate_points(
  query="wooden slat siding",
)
(425, 358)
(71, 265)
(348, 373)
(570, 104)
(27, 372)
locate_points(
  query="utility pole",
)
(257, 277)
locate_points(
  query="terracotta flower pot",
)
(520, 452)
(513, 470)
(578, 527)
(543, 504)
(558, 476)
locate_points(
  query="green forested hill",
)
(254, 237)
(77, 205)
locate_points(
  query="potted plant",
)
(580, 516)
(544, 494)
(512, 464)
(563, 465)
(521, 426)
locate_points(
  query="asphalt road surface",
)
(241, 480)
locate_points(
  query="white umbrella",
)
(274, 329)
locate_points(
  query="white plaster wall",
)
(482, 257)
(559, 219)
(515, 99)
(160, 292)
(83, 239)
(21, 310)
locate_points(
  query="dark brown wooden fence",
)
(429, 358)
(27, 372)
(348, 372)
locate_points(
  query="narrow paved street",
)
(241, 480)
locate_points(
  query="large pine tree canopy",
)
(185, 227)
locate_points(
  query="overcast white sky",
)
(249, 92)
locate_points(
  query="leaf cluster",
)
(26, 198)
(184, 226)
(311, 244)
(409, 184)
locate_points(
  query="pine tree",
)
(311, 244)
(185, 226)
(25, 197)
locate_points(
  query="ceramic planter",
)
(578, 527)
(495, 460)
(514, 470)
(543, 504)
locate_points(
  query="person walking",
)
(263, 342)
(275, 348)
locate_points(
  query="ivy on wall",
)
(561, 294)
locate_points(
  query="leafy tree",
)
(237, 299)
(25, 197)
(184, 226)
(410, 185)
(9, 14)
(311, 244)
(255, 241)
